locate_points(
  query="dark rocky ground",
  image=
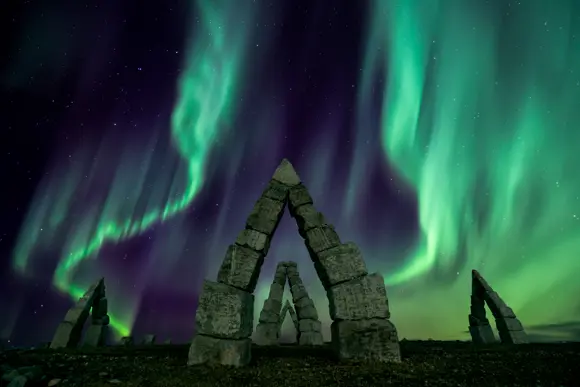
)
(427, 363)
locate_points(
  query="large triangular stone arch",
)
(358, 303)
(69, 331)
(509, 328)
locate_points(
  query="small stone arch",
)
(361, 329)
(509, 328)
(305, 318)
(69, 331)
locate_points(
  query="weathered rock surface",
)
(339, 264)
(361, 298)
(368, 339)
(509, 328)
(241, 268)
(224, 311)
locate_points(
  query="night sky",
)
(440, 136)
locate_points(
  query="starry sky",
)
(439, 136)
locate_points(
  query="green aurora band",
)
(207, 88)
(482, 123)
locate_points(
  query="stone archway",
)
(305, 318)
(358, 303)
(287, 309)
(509, 328)
(69, 331)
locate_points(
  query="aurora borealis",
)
(440, 138)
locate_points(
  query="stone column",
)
(267, 331)
(225, 312)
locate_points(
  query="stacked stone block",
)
(69, 331)
(361, 329)
(509, 328)
(267, 331)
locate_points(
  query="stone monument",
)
(68, 332)
(361, 329)
(509, 328)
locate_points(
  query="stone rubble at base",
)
(224, 320)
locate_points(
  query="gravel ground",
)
(427, 363)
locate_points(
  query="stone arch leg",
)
(358, 302)
(509, 327)
(309, 326)
(68, 332)
(479, 327)
(267, 330)
(225, 314)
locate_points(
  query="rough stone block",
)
(508, 324)
(310, 338)
(265, 216)
(215, 351)
(308, 218)
(321, 238)
(308, 325)
(276, 190)
(513, 337)
(366, 340)
(298, 196)
(305, 309)
(270, 312)
(280, 277)
(361, 298)
(286, 174)
(276, 292)
(339, 264)
(224, 311)
(298, 292)
(255, 240)
(266, 334)
(241, 268)
(482, 334)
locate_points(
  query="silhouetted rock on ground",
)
(426, 363)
